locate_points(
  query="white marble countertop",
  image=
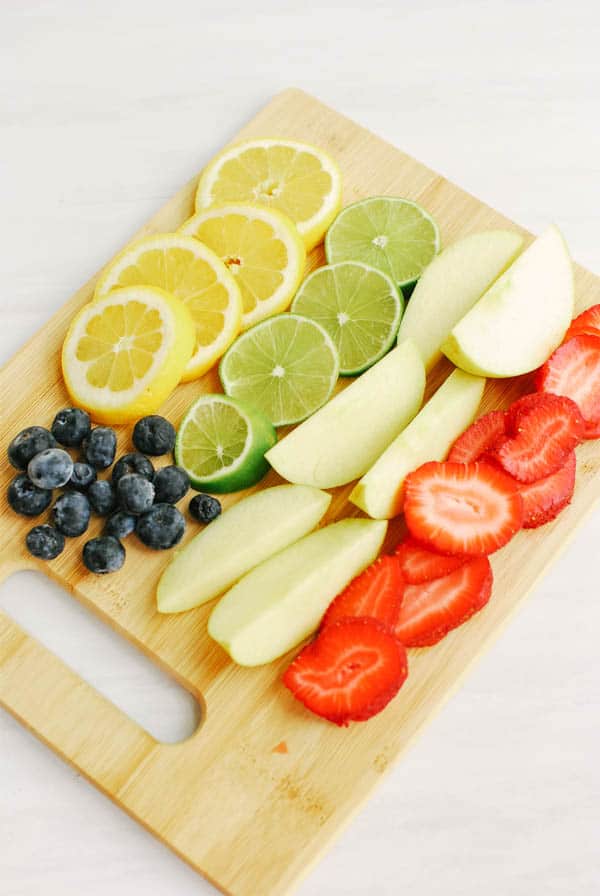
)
(106, 108)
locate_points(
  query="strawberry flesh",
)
(377, 593)
(543, 500)
(420, 564)
(477, 439)
(586, 324)
(573, 370)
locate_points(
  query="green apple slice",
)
(522, 318)
(281, 602)
(242, 537)
(345, 437)
(429, 436)
(451, 284)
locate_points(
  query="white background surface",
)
(106, 108)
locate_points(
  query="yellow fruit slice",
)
(261, 247)
(300, 180)
(192, 273)
(124, 354)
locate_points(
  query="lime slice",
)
(359, 307)
(394, 235)
(221, 444)
(286, 366)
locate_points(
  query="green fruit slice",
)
(285, 366)
(394, 235)
(221, 444)
(359, 307)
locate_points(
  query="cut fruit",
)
(522, 318)
(285, 366)
(480, 437)
(450, 286)
(428, 437)
(300, 180)
(377, 593)
(123, 355)
(242, 537)
(574, 371)
(543, 500)
(419, 564)
(586, 324)
(343, 439)
(192, 273)
(394, 235)
(262, 249)
(221, 444)
(281, 602)
(358, 306)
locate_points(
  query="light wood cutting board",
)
(249, 817)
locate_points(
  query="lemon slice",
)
(124, 354)
(262, 249)
(298, 179)
(193, 273)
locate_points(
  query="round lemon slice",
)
(262, 249)
(192, 273)
(300, 180)
(124, 354)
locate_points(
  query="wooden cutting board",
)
(250, 817)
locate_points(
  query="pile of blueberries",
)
(137, 498)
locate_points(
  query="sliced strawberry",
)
(462, 508)
(542, 430)
(377, 592)
(420, 564)
(350, 672)
(480, 437)
(587, 324)
(543, 500)
(431, 610)
(574, 370)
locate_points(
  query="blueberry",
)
(133, 463)
(170, 484)
(154, 435)
(82, 476)
(99, 447)
(26, 498)
(51, 468)
(71, 514)
(120, 524)
(204, 508)
(71, 426)
(135, 493)
(161, 528)
(103, 554)
(27, 444)
(102, 496)
(45, 542)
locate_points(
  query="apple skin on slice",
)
(451, 284)
(345, 437)
(522, 318)
(281, 602)
(431, 434)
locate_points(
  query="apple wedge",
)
(451, 284)
(345, 437)
(522, 318)
(428, 437)
(282, 601)
(241, 538)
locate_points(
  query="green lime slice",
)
(358, 306)
(286, 366)
(394, 235)
(221, 444)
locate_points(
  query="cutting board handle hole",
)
(102, 657)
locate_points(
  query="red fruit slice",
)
(462, 508)
(574, 370)
(480, 437)
(419, 564)
(587, 324)
(543, 500)
(350, 672)
(431, 610)
(377, 592)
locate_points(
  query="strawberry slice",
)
(574, 370)
(432, 609)
(350, 672)
(542, 431)
(479, 438)
(462, 508)
(377, 592)
(587, 324)
(419, 564)
(543, 500)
